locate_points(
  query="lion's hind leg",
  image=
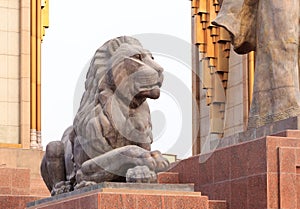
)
(53, 168)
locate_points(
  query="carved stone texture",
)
(111, 133)
(271, 28)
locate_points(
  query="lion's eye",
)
(138, 56)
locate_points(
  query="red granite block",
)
(273, 188)
(38, 187)
(177, 167)
(74, 203)
(191, 170)
(239, 161)
(168, 178)
(288, 192)
(221, 191)
(272, 153)
(89, 202)
(217, 204)
(167, 201)
(110, 201)
(84, 202)
(5, 177)
(287, 160)
(185, 202)
(288, 133)
(257, 192)
(188, 169)
(205, 190)
(206, 169)
(21, 182)
(297, 156)
(15, 202)
(289, 142)
(63, 205)
(298, 188)
(222, 163)
(148, 201)
(128, 201)
(257, 157)
(239, 193)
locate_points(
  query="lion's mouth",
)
(152, 94)
(149, 91)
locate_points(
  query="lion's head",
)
(133, 75)
(122, 74)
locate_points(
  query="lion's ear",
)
(132, 65)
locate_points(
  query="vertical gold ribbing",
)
(214, 45)
(251, 67)
(39, 21)
(33, 58)
(45, 16)
(38, 72)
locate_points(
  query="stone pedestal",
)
(261, 173)
(132, 196)
(16, 188)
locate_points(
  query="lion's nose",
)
(159, 71)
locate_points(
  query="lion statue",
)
(110, 139)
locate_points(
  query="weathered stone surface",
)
(111, 132)
(271, 28)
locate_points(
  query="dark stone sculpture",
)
(271, 28)
(111, 134)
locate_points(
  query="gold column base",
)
(39, 140)
(33, 139)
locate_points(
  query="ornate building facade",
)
(223, 96)
(22, 27)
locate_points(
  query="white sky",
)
(78, 28)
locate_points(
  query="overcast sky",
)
(78, 28)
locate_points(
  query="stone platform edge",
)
(115, 185)
(272, 129)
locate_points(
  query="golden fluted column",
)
(38, 74)
(251, 66)
(39, 21)
(33, 75)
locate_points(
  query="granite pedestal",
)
(125, 195)
(255, 174)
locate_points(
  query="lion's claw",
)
(140, 174)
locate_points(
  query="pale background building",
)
(22, 27)
(222, 80)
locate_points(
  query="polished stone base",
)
(124, 195)
(17, 188)
(260, 173)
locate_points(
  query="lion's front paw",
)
(84, 184)
(162, 164)
(61, 187)
(146, 159)
(140, 174)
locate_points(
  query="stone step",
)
(127, 198)
(288, 133)
(217, 204)
(168, 178)
(134, 196)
